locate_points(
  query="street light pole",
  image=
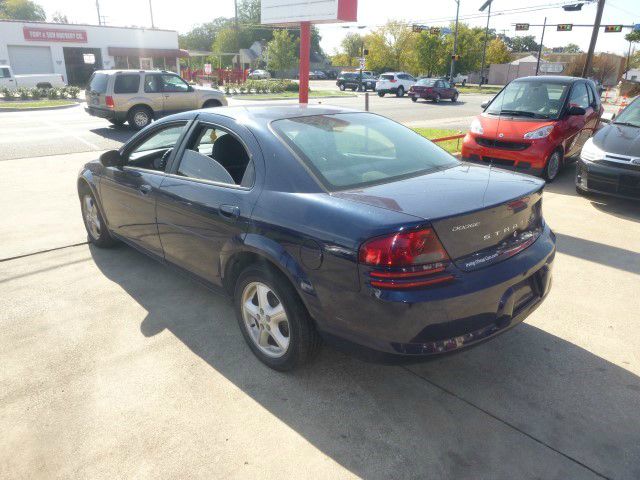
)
(151, 13)
(486, 37)
(544, 26)
(594, 38)
(98, 8)
(455, 44)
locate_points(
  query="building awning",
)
(147, 52)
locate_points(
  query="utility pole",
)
(594, 38)
(544, 26)
(486, 37)
(455, 44)
(626, 73)
(98, 8)
(151, 13)
(235, 26)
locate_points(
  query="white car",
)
(39, 80)
(394, 82)
(259, 75)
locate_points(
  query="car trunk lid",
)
(481, 215)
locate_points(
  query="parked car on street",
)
(535, 125)
(460, 79)
(352, 80)
(324, 222)
(433, 89)
(259, 75)
(37, 80)
(317, 75)
(610, 161)
(397, 83)
(140, 96)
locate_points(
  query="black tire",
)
(400, 91)
(103, 239)
(436, 99)
(341, 87)
(304, 340)
(414, 99)
(550, 172)
(211, 104)
(381, 94)
(117, 123)
(454, 99)
(353, 89)
(581, 192)
(136, 114)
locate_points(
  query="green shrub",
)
(71, 91)
(36, 93)
(227, 90)
(24, 93)
(7, 94)
(53, 94)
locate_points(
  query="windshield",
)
(356, 149)
(427, 82)
(630, 115)
(535, 99)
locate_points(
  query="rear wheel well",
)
(141, 105)
(43, 85)
(211, 104)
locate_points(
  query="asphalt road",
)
(72, 130)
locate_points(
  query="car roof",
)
(131, 70)
(549, 78)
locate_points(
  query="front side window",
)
(127, 84)
(215, 155)
(4, 73)
(173, 83)
(153, 151)
(535, 99)
(579, 96)
(357, 149)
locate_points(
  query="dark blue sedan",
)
(325, 223)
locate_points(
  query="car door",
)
(439, 88)
(178, 96)
(207, 197)
(153, 92)
(577, 125)
(128, 193)
(5, 78)
(407, 81)
(448, 90)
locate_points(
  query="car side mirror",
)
(484, 105)
(576, 110)
(112, 158)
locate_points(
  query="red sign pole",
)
(305, 47)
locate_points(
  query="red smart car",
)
(535, 124)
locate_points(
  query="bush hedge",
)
(261, 86)
(38, 93)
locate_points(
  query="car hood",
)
(619, 139)
(461, 189)
(511, 128)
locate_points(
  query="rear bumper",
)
(425, 95)
(386, 90)
(531, 160)
(607, 179)
(477, 306)
(105, 113)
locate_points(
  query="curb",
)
(32, 109)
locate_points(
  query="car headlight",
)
(541, 132)
(591, 152)
(476, 127)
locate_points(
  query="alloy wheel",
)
(553, 166)
(265, 319)
(91, 219)
(141, 119)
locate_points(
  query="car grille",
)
(627, 185)
(503, 145)
(499, 161)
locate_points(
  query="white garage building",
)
(75, 51)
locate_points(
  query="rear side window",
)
(386, 77)
(98, 83)
(4, 73)
(127, 84)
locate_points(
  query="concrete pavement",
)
(115, 366)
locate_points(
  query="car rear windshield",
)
(386, 77)
(427, 82)
(349, 150)
(98, 83)
(534, 99)
(127, 84)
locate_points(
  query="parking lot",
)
(116, 367)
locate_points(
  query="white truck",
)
(39, 80)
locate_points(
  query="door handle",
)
(144, 189)
(229, 211)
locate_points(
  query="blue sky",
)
(372, 13)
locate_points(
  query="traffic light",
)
(455, 57)
(434, 30)
(565, 27)
(613, 28)
(522, 26)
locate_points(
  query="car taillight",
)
(406, 260)
(393, 80)
(109, 101)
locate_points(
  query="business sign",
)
(283, 12)
(552, 67)
(207, 69)
(54, 35)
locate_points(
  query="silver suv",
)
(139, 96)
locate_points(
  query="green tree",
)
(22, 10)
(343, 60)
(497, 52)
(525, 43)
(282, 51)
(352, 45)
(226, 41)
(633, 36)
(470, 44)
(201, 37)
(392, 47)
(432, 57)
(571, 48)
(59, 18)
